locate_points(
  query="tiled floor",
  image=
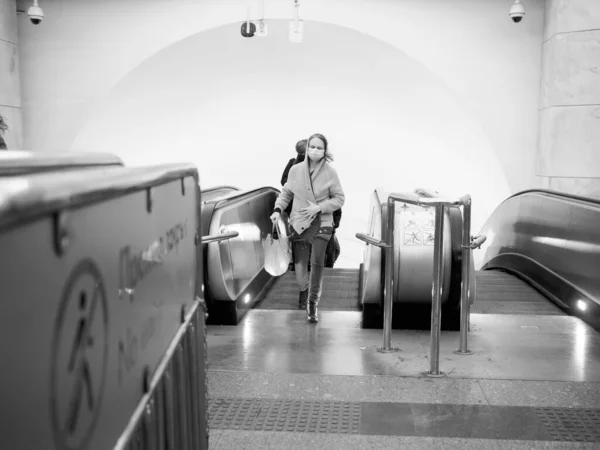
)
(246, 440)
(505, 395)
(546, 348)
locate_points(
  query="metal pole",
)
(466, 279)
(388, 298)
(436, 304)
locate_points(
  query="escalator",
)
(549, 241)
(523, 267)
(233, 277)
(77, 217)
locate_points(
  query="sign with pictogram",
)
(79, 357)
(418, 227)
(85, 322)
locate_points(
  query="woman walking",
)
(316, 191)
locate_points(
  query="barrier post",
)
(388, 298)
(466, 278)
(436, 305)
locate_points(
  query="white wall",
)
(435, 93)
(10, 92)
(570, 98)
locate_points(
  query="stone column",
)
(10, 88)
(568, 157)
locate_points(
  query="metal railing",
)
(468, 244)
(219, 237)
(172, 414)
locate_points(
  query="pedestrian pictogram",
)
(429, 238)
(80, 352)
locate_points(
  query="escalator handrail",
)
(429, 193)
(216, 188)
(244, 195)
(595, 201)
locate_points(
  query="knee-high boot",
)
(312, 312)
(303, 298)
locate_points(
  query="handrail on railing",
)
(171, 406)
(219, 237)
(371, 240)
(468, 244)
(476, 242)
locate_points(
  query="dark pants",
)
(313, 279)
(332, 253)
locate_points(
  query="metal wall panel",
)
(97, 268)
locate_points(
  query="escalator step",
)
(515, 307)
(340, 291)
(503, 293)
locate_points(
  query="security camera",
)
(35, 13)
(517, 11)
(248, 29)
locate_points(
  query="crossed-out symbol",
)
(412, 237)
(79, 357)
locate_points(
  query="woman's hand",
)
(275, 217)
(311, 210)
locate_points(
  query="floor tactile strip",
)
(285, 415)
(566, 424)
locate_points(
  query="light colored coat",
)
(325, 190)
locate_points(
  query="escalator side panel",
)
(451, 308)
(228, 251)
(201, 249)
(372, 268)
(372, 273)
(553, 242)
(236, 278)
(586, 249)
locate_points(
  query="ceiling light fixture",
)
(262, 25)
(296, 25)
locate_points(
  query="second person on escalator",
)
(316, 192)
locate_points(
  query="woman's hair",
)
(328, 156)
